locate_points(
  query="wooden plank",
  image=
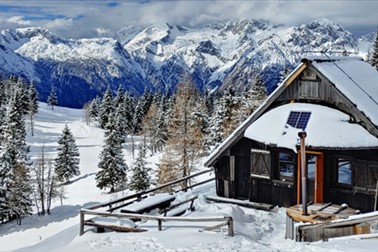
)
(261, 206)
(114, 227)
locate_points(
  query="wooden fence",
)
(160, 219)
(124, 201)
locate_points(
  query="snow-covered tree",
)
(252, 98)
(112, 173)
(128, 106)
(374, 54)
(106, 108)
(140, 179)
(15, 190)
(52, 99)
(94, 108)
(67, 161)
(19, 194)
(33, 105)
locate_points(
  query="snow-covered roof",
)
(326, 127)
(355, 78)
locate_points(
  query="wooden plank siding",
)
(323, 92)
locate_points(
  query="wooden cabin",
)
(335, 101)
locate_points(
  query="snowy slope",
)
(215, 56)
(254, 230)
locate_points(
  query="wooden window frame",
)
(344, 185)
(268, 166)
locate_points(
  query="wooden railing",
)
(124, 201)
(160, 219)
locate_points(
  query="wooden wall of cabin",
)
(361, 193)
(234, 180)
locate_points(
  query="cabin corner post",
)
(81, 232)
(302, 136)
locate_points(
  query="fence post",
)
(81, 232)
(230, 224)
(159, 225)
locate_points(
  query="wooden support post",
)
(81, 232)
(230, 224)
(159, 225)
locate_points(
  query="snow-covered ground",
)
(255, 230)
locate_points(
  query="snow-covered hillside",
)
(156, 58)
(255, 230)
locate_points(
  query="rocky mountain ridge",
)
(156, 58)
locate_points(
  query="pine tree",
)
(15, 182)
(138, 115)
(95, 108)
(374, 55)
(106, 108)
(19, 194)
(112, 166)
(252, 98)
(33, 105)
(67, 161)
(140, 179)
(52, 99)
(128, 105)
(120, 97)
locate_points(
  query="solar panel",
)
(298, 119)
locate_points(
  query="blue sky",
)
(77, 19)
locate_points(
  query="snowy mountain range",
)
(156, 58)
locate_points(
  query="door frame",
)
(319, 176)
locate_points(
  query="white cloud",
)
(102, 32)
(19, 20)
(95, 18)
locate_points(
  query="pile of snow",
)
(255, 230)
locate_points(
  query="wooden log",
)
(115, 227)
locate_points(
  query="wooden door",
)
(315, 184)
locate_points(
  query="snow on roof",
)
(355, 78)
(326, 127)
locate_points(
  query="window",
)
(298, 119)
(286, 166)
(344, 171)
(260, 163)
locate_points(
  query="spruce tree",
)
(95, 108)
(112, 173)
(128, 106)
(33, 105)
(52, 99)
(106, 108)
(67, 161)
(15, 181)
(140, 179)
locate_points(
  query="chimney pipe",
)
(302, 136)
